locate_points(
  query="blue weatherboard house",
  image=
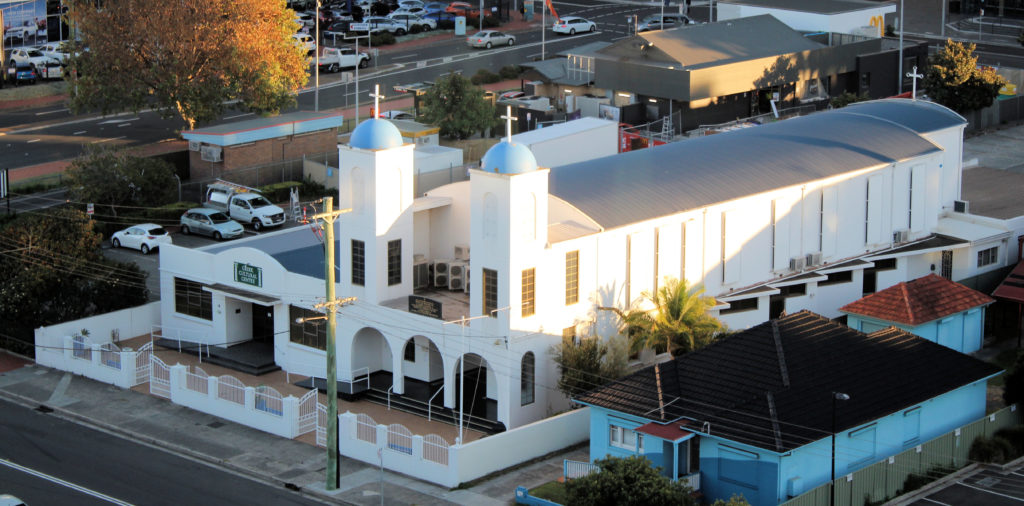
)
(752, 414)
(933, 307)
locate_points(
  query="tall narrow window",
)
(629, 267)
(529, 303)
(572, 277)
(394, 262)
(410, 351)
(867, 208)
(771, 255)
(657, 247)
(490, 292)
(821, 219)
(682, 251)
(910, 200)
(527, 379)
(358, 263)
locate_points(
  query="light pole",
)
(543, 29)
(899, 73)
(836, 396)
(358, 62)
(316, 64)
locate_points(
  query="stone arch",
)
(370, 349)
(481, 390)
(427, 364)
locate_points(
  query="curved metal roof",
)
(641, 185)
(918, 115)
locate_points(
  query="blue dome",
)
(509, 158)
(375, 133)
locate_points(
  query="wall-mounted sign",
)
(424, 306)
(249, 274)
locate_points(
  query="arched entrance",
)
(371, 354)
(481, 388)
(423, 371)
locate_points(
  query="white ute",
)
(243, 204)
(333, 59)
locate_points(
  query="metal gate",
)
(142, 363)
(321, 425)
(307, 412)
(159, 378)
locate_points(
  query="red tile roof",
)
(668, 432)
(919, 301)
(1012, 288)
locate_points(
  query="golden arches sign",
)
(878, 22)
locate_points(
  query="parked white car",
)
(305, 41)
(571, 25)
(56, 50)
(145, 238)
(30, 56)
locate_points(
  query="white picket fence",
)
(101, 361)
(307, 412)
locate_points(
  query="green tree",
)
(53, 272)
(847, 98)
(187, 58)
(588, 364)
(954, 80)
(626, 482)
(674, 319)
(457, 107)
(115, 178)
(734, 500)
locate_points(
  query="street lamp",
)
(836, 396)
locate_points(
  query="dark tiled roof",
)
(1012, 288)
(919, 301)
(770, 386)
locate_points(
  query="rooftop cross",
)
(915, 76)
(376, 100)
(508, 117)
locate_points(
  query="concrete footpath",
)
(236, 448)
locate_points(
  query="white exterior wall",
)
(844, 22)
(564, 144)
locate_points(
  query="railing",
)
(159, 377)
(366, 428)
(435, 449)
(179, 335)
(392, 387)
(307, 412)
(399, 438)
(81, 348)
(572, 469)
(231, 389)
(430, 403)
(321, 425)
(691, 480)
(198, 381)
(110, 355)
(269, 400)
(142, 363)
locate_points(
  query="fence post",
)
(177, 375)
(212, 383)
(417, 447)
(250, 399)
(382, 436)
(94, 354)
(68, 349)
(290, 413)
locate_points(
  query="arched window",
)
(527, 379)
(490, 215)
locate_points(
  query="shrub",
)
(510, 72)
(278, 192)
(1015, 436)
(415, 29)
(484, 76)
(446, 24)
(491, 22)
(995, 450)
(382, 39)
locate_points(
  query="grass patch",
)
(1004, 359)
(40, 89)
(553, 491)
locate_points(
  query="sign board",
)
(4, 190)
(89, 209)
(424, 306)
(460, 25)
(359, 27)
(249, 274)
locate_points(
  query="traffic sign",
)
(89, 209)
(359, 27)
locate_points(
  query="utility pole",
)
(331, 305)
(316, 65)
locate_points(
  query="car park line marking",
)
(50, 112)
(80, 132)
(33, 140)
(990, 491)
(118, 120)
(569, 4)
(405, 56)
(936, 502)
(68, 484)
(107, 140)
(238, 115)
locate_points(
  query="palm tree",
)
(679, 321)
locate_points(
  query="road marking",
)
(33, 140)
(571, 4)
(238, 116)
(405, 56)
(107, 140)
(934, 501)
(72, 122)
(118, 120)
(54, 479)
(50, 112)
(80, 132)
(991, 492)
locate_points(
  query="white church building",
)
(808, 213)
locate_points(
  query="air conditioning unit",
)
(210, 153)
(961, 206)
(797, 263)
(457, 275)
(422, 274)
(441, 273)
(193, 145)
(900, 236)
(462, 252)
(813, 259)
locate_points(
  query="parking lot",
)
(983, 486)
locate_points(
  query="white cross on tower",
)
(915, 76)
(376, 100)
(508, 117)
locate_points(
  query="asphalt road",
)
(45, 460)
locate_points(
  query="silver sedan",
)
(490, 38)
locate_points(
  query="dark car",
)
(445, 20)
(24, 73)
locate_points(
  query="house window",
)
(771, 252)
(621, 437)
(529, 303)
(821, 220)
(410, 350)
(569, 334)
(190, 299)
(572, 277)
(737, 306)
(836, 278)
(911, 427)
(309, 333)
(526, 379)
(988, 256)
(490, 292)
(358, 263)
(867, 208)
(394, 262)
(862, 445)
(793, 290)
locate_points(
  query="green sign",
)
(249, 274)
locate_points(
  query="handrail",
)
(430, 403)
(389, 396)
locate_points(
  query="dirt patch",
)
(37, 90)
(472, 149)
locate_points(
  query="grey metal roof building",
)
(812, 6)
(641, 185)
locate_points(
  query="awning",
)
(970, 231)
(799, 279)
(1012, 288)
(935, 243)
(852, 265)
(238, 293)
(671, 432)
